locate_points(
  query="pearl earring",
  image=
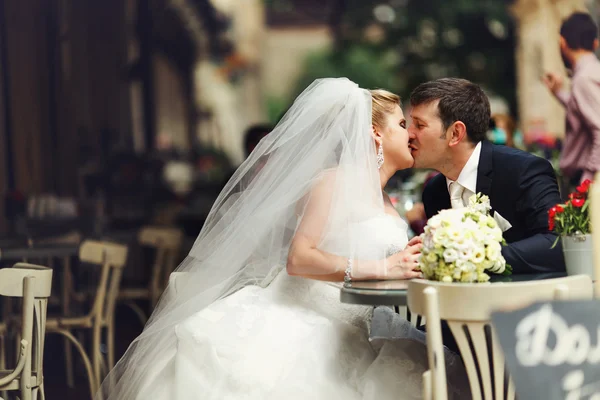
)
(380, 156)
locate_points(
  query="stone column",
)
(538, 27)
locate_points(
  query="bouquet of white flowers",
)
(460, 245)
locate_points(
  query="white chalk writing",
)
(573, 344)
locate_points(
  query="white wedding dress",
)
(292, 339)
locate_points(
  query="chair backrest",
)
(161, 237)
(34, 284)
(112, 258)
(167, 242)
(467, 309)
(11, 280)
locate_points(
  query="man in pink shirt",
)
(580, 158)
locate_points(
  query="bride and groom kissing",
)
(257, 315)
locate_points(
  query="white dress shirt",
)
(468, 176)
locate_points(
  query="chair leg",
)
(110, 342)
(84, 356)
(103, 367)
(427, 392)
(69, 363)
(42, 392)
(96, 354)
(26, 390)
(3, 394)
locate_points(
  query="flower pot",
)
(578, 252)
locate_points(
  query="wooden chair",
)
(33, 284)
(467, 309)
(167, 244)
(3, 333)
(415, 319)
(110, 258)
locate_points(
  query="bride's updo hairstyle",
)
(383, 103)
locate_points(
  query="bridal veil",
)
(246, 237)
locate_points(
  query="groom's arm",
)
(539, 193)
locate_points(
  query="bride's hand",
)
(402, 265)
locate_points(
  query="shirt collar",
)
(583, 61)
(468, 176)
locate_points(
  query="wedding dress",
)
(292, 339)
(238, 327)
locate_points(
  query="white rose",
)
(465, 254)
(457, 274)
(450, 255)
(462, 244)
(493, 250)
(498, 234)
(453, 233)
(478, 255)
(499, 266)
(434, 222)
(471, 225)
(467, 266)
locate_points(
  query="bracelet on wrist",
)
(348, 272)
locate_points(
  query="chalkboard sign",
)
(552, 350)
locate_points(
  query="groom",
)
(450, 118)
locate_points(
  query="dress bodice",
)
(373, 238)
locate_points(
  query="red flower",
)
(576, 195)
(584, 187)
(559, 209)
(551, 215)
(578, 203)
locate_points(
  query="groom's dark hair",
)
(459, 100)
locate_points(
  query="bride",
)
(256, 315)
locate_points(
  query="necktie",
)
(456, 192)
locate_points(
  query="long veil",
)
(246, 237)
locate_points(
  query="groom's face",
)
(427, 136)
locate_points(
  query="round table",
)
(394, 293)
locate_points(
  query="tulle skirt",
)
(290, 340)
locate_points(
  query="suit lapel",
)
(484, 169)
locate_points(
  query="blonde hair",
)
(383, 103)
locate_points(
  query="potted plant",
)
(571, 221)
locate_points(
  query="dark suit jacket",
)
(522, 188)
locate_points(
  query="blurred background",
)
(137, 110)
(121, 114)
